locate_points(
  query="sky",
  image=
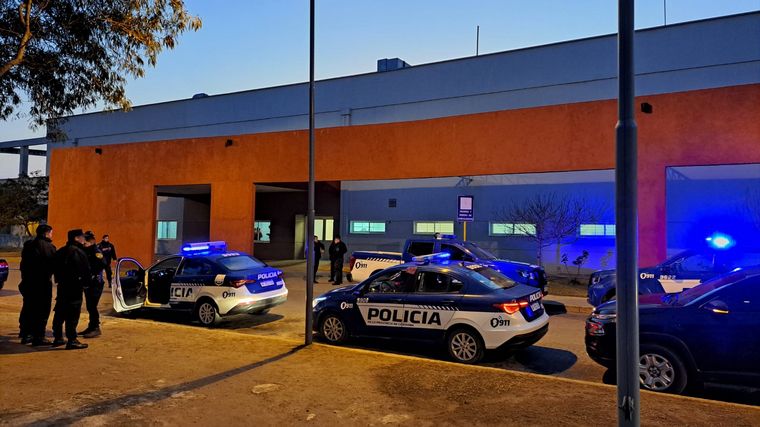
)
(249, 44)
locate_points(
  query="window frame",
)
(435, 227)
(512, 226)
(161, 222)
(369, 227)
(606, 233)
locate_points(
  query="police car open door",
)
(129, 291)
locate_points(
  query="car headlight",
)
(317, 300)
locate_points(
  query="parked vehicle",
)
(364, 264)
(204, 279)
(683, 271)
(704, 334)
(470, 307)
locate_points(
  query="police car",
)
(469, 306)
(682, 271)
(205, 279)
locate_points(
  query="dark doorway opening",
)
(280, 217)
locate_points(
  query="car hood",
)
(646, 302)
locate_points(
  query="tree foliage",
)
(550, 218)
(23, 200)
(63, 55)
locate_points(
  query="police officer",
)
(319, 248)
(72, 273)
(337, 250)
(36, 286)
(94, 290)
(109, 255)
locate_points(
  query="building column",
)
(653, 239)
(232, 210)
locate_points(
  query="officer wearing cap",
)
(72, 273)
(36, 286)
(94, 288)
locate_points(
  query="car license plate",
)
(265, 283)
(536, 306)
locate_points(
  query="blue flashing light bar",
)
(203, 248)
(445, 236)
(720, 241)
(440, 257)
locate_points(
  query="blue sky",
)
(259, 43)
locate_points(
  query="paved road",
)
(560, 353)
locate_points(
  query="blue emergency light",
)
(440, 257)
(202, 248)
(445, 236)
(720, 241)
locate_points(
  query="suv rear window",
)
(421, 248)
(240, 262)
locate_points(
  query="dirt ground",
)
(142, 372)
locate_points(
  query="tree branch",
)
(24, 15)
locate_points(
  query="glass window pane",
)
(319, 228)
(377, 227)
(261, 231)
(445, 227)
(524, 229)
(609, 229)
(329, 224)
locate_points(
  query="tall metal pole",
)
(626, 226)
(23, 164)
(310, 220)
(477, 40)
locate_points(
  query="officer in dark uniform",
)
(109, 255)
(36, 286)
(72, 273)
(337, 251)
(94, 290)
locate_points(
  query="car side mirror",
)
(716, 306)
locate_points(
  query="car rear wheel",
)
(661, 370)
(465, 346)
(206, 313)
(333, 329)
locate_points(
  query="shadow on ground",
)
(242, 321)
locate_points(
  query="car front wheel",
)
(465, 346)
(333, 329)
(661, 370)
(205, 312)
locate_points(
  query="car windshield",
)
(491, 278)
(692, 294)
(479, 252)
(240, 262)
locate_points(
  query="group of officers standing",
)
(78, 270)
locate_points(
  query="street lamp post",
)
(626, 225)
(310, 220)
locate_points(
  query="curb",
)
(561, 307)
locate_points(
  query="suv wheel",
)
(465, 346)
(661, 370)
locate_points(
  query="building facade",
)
(545, 109)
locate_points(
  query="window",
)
(431, 282)
(421, 248)
(197, 267)
(240, 262)
(742, 297)
(323, 228)
(598, 230)
(167, 230)
(167, 264)
(432, 227)
(262, 231)
(697, 263)
(397, 281)
(512, 229)
(367, 227)
(456, 253)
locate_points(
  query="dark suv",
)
(708, 333)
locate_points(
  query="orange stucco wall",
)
(114, 192)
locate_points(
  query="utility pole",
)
(477, 40)
(626, 220)
(310, 216)
(23, 165)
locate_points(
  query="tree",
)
(63, 55)
(23, 201)
(549, 218)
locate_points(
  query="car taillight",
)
(594, 328)
(511, 307)
(351, 262)
(243, 282)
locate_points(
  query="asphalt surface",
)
(560, 353)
